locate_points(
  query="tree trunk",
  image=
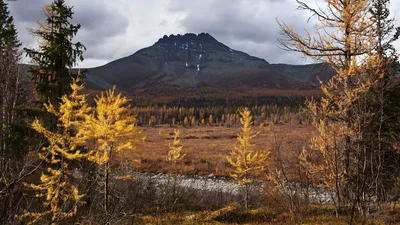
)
(106, 174)
(246, 196)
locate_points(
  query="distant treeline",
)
(233, 102)
(217, 115)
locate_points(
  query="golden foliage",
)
(60, 197)
(125, 177)
(328, 170)
(229, 209)
(344, 38)
(161, 132)
(243, 157)
(175, 148)
(340, 32)
(112, 127)
(64, 143)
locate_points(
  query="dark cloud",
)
(246, 25)
(240, 20)
(100, 22)
(27, 11)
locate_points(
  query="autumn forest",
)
(327, 154)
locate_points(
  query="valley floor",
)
(207, 147)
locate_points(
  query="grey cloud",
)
(100, 21)
(99, 17)
(246, 25)
(112, 29)
(239, 19)
(25, 10)
(163, 23)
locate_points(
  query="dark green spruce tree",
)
(56, 54)
(378, 165)
(13, 128)
(374, 156)
(8, 34)
(383, 105)
(10, 79)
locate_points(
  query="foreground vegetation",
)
(235, 214)
(66, 160)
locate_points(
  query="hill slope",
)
(194, 61)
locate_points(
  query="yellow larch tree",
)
(186, 122)
(343, 39)
(175, 148)
(348, 37)
(244, 158)
(175, 155)
(112, 127)
(193, 121)
(60, 197)
(325, 162)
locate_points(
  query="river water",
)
(226, 188)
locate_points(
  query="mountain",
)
(190, 61)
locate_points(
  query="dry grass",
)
(235, 214)
(207, 147)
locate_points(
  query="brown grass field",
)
(206, 148)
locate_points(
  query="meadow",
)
(207, 147)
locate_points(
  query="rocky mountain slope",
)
(194, 61)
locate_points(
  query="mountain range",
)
(182, 63)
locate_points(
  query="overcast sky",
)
(112, 29)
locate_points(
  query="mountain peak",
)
(188, 37)
(195, 55)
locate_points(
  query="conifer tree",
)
(186, 122)
(9, 76)
(193, 121)
(383, 125)
(349, 36)
(12, 127)
(210, 120)
(60, 196)
(56, 54)
(175, 148)
(9, 38)
(175, 155)
(384, 30)
(244, 158)
(113, 129)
